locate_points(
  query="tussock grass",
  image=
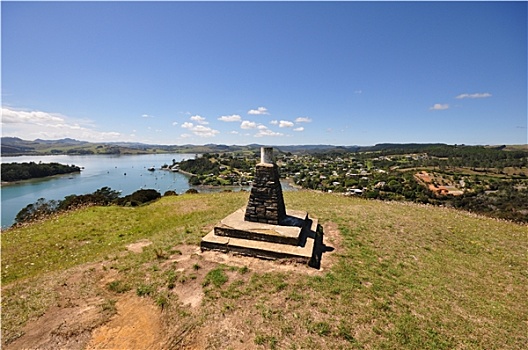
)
(405, 275)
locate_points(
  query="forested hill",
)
(25, 171)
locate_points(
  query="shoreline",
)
(18, 182)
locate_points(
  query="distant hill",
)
(14, 146)
(66, 141)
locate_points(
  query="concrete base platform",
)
(288, 232)
(295, 239)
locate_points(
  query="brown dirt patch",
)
(138, 246)
(137, 325)
(66, 328)
(68, 323)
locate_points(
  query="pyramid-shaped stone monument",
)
(264, 228)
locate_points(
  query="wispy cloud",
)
(303, 120)
(230, 118)
(300, 128)
(476, 95)
(45, 125)
(174, 123)
(285, 124)
(147, 116)
(199, 119)
(200, 130)
(439, 107)
(258, 111)
(274, 122)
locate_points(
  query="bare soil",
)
(79, 320)
(137, 325)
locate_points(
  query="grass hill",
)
(400, 276)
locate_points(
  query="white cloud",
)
(258, 111)
(303, 120)
(204, 131)
(246, 124)
(230, 118)
(285, 124)
(274, 122)
(267, 132)
(262, 127)
(34, 117)
(199, 119)
(200, 130)
(439, 107)
(234, 132)
(174, 123)
(476, 95)
(299, 129)
(147, 116)
(44, 125)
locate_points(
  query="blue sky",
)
(276, 73)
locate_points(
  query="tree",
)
(38, 210)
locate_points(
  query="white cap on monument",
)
(266, 155)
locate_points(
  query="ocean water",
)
(125, 173)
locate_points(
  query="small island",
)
(25, 171)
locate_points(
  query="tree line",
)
(32, 170)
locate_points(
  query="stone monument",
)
(266, 203)
(264, 228)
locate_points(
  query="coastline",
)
(19, 182)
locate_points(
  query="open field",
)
(400, 275)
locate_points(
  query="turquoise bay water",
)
(125, 173)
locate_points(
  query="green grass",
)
(406, 276)
(89, 234)
(215, 277)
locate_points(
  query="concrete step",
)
(260, 249)
(295, 239)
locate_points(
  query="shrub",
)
(139, 197)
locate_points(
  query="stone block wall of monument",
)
(266, 202)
